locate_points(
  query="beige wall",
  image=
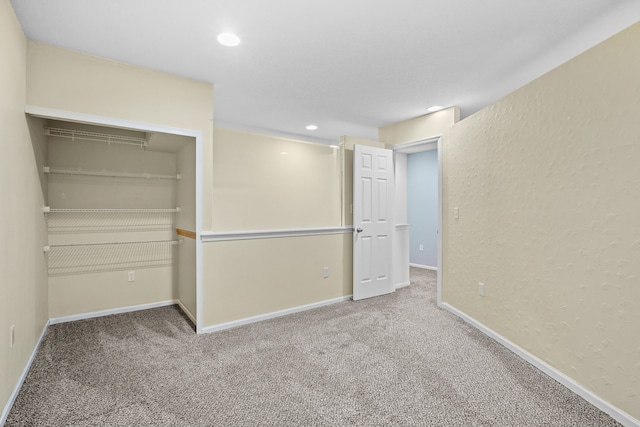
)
(258, 188)
(419, 128)
(87, 293)
(186, 195)
(547, 185)
(251, 277)
(23, 279)
(71, 81)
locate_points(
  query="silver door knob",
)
(358, 230)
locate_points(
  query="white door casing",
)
(373, 206)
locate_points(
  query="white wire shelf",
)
(96, 136)
(60, 221)
(48, 209)
(105, 173)
(64, 260)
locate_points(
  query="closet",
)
(113, 210)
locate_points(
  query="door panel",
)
(373, 191)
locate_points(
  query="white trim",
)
(186, 311)
(402, 226)
(424, 267)
(440, 224)
(618, 414)
(199, 207)
(402, 285)
(52, 113)
(23, 376)
(261, 317)
(101, 313)
(420, 145)
(210, 236)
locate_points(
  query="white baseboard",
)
(16, 390)
(261, 317)
(424, 267)
(186, 311)
(617, 413)
(402, 285)
(119, 310)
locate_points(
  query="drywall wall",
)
(400, 169)
(95, 281)
(71, 81)
(419, 128)
(422, 207)
(246, 278)
(259, 187)
(23, 276)
(185, 220)
(263, 182)
(401, 272)
(76, 294)
(546, 182)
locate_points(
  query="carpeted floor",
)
(395, 360)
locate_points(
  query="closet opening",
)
(122, 208)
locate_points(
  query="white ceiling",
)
(348, 66)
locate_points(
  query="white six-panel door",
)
(373, 194)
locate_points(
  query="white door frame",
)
(51, 113)
(416, 147)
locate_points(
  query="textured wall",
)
(422, 207)
(23, 276)
(547, 183)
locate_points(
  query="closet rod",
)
(88, 172)
(47, 209)
(96, 136)
(48, 248)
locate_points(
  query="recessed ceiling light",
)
(284, 153)
(228, 39)
(434, 108)
(312, 127)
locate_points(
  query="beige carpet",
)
(395, 360)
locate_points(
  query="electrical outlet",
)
(456, 213)
(132, 276)
(481, 289)
(325, 272)
(12, 336)
(421, 248)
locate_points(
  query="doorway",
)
(404, 243)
